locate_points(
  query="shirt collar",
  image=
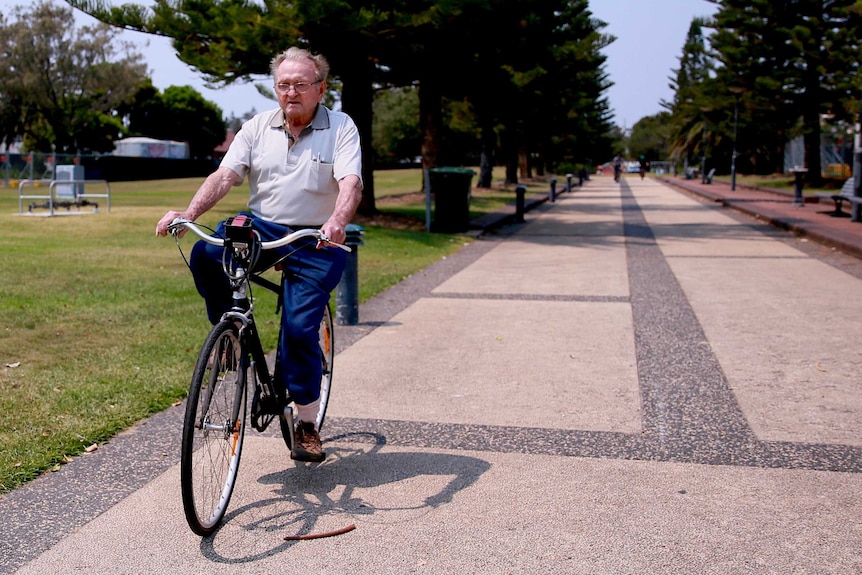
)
(319, 122)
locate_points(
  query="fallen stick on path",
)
(341, 531)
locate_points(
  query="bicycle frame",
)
(269, 400)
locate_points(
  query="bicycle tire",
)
(213, 429)
(327, 351)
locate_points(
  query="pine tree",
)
(796, 61)
(691, 100)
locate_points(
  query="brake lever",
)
(177, 225)
(323, 241)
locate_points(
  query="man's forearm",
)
(349, 198)
(213, 189)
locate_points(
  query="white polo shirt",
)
(295, 182)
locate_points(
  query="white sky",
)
(650, 35)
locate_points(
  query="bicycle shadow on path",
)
(358, 483)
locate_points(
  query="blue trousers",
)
(309, 276)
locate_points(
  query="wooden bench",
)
(845, 195)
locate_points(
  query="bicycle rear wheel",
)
(327, 352)
(213, 429)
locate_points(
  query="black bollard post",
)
(520, 192)
(553, 190)
(347, 292)
(569, 183)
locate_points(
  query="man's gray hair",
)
(300, 54)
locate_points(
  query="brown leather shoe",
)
(306, 444)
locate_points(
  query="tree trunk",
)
(510, 155)
(430, 121)
(812, 148)
(356, 100)
(486, 158)
(812, 153)
(523, 162)
(811, 109)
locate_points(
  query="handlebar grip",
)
(178, 222)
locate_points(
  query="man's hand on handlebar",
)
(167, 219)
(324, 241)
(334, 232)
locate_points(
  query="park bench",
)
(708, 178)
(845, 195)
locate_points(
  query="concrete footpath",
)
(633, 381)
(776, 207)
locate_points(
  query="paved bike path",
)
(631, 382)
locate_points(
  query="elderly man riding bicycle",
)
(303, 164)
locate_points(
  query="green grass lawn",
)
(102, 324)
(408, 184)
(397, 182)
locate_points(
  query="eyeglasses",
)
(299, 87)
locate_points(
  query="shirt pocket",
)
(322, 177)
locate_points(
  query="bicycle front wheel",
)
(213, 429)
(327, 354)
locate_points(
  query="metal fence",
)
(15, 167)
(42, 167)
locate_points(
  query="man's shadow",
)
(345, 485)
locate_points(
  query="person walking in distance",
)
(643, 165)
(304, 168)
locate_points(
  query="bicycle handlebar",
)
(281, 242)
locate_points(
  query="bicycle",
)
(231, 360)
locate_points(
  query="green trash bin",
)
(451, 188)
